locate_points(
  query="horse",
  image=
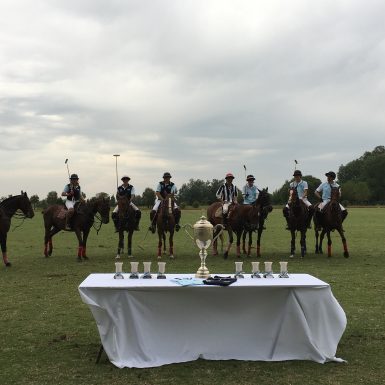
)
(8, 208)
(330, 219)
(81, 222)
(240, 217)
(165, 222)
(298, 217)
(265, 207)
(126, 222)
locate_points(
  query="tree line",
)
(362, 181)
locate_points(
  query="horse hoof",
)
(171, 257)
(8, 264)
(225, 255)
(291, 256)
(85, 257)
(159, 257)
(346, 255)
(130, 256)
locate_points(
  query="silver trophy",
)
(118, 269)
(203, 237)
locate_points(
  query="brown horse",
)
(330, 219)
(165, 222)
(81, 222)
(126, 222)
(240, 217)
(265, 207)
(8, 208)
(298, 217)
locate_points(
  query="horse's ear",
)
(267, 189)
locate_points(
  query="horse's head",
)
(335, 194)
(264, 200)
(103, 208)
(123, 206)
(25, 205)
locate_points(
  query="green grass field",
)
(48, 336)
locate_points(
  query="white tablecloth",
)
(151, 322)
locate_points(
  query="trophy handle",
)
(187, 232)
(220, 232)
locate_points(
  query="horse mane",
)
(9, 199)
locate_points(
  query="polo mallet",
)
(244, 166)
(68, 170)
(295, 164)
(116, 169)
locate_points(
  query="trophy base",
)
(118, 276)
(202, 272)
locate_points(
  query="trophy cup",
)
(134, 270)
(283, 267)
(146, 270)
(161, 270)
(118, 269)
(255, 270)
(238, 270)
(268, 270)
(203, 237)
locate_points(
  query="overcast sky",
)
(196, 88)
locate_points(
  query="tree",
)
(148, 197)
(369, 170)
(102, 195)
(34, 199)
(52, 198)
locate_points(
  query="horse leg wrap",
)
(5, 259)
(80, 251)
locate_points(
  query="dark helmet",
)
(297, 172)
(166, 175)
(332, 174)
(250, 177)
(74, 176)
(125, 177)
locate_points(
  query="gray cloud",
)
(198, 88)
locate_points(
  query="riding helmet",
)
(167, 175)
(250, 177)
(229, 175)
(332, 174)
(125, 177)
(74, 176)
(297, 172)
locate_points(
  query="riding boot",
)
(115, 219)
(177, 215)
(138, 215)
(153, 221)
(285, 211)
(309, 216)
(69, 215)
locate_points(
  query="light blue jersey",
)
(300, 186)
(250, 194)
(326, 189)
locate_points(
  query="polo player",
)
(126, 190)
(73, 194)
(302, 190)
(323, 191)
(165, 189)
(250, 191)
(227, 194)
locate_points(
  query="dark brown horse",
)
(329, 220)
(8, 208)
(298, 217)
(240, 217)
(81, 222)
(265, 207)
(165, 222)
(126, 222)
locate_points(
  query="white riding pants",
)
(131, 204)
(157, 203)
